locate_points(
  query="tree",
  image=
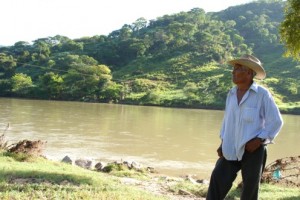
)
(290, 29)
(42, 49)
(51, 85)
(139, 24)
(7, 65)
(22, 51)
(71, 46)
(21, 84)
(86, 82)
(112, 92)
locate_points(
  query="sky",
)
(28, 20)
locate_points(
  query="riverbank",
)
(285, 108)
(26, 177)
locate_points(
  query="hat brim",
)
(259, 70)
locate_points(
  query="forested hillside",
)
(175, 60)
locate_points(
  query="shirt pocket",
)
(249, 114)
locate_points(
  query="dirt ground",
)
(159, 185)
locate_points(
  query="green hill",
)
(175, 60)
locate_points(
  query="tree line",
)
(176, 60)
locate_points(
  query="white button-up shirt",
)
(256, 116)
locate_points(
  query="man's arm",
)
(272, 117)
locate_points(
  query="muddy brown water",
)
(174, 141)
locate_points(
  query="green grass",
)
(43, 179)
(267, 191)
(24, 177)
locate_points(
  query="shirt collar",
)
(253, 87)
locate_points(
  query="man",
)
(251, 120)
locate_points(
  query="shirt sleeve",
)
(224, 117)
(272, 118)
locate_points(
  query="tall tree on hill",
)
(290, 29)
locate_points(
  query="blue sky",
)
(27, 20)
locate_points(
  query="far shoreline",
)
(284, 109)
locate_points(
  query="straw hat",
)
(252, 63)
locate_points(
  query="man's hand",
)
(219, 151)
(253, 144)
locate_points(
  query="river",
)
(174, 141)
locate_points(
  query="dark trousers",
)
(225, 172)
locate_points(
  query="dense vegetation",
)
(289, 37)
(175, 60)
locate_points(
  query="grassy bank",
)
(38, 178)
(23, 177)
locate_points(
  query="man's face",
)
(241, 74)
